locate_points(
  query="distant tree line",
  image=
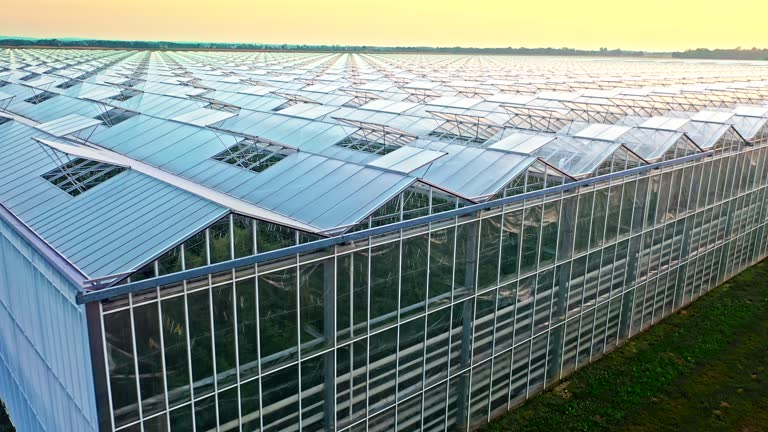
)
(700, 53)
(724, 54)
(76, 43)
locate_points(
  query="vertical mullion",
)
(577, 195)
(213, 328)
(136, 363)
(426, 319)
(162, 356)
(298, 331)
(106, 362)
(450, 320)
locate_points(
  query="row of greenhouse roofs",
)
(115, 157)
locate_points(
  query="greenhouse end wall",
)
(46, 381)
(440, 326)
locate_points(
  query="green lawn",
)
(704, 368)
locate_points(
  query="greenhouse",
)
(257, 241)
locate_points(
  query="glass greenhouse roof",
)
(319, 142)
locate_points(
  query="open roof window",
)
(79, 175)
(362, 144)
(115, 116)
(125, 95)
(29, 77)
(68, 84)
(464, 128)
(292, 99)
(4, 120)
(254, 154)
(374, 138)
(40, 97)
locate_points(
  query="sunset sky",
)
(658, 25)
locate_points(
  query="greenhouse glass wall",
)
(242, 241)
(438, 325)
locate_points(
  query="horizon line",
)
(86, 39)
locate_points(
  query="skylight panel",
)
(68, 84)
(254, 154)
(79, 175)
(292, 99)
(115, 116)
(29, 77)
(467, 128)
(40, 97)
(374, 138)
(125, 94)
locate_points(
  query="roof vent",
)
(80, 175)
(40, 97)
(254, 154)
(115, 116)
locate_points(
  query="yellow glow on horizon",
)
(654, 25)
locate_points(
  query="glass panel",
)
(490, 233)
(242, 228)
(122, 375)
(434, 408)
(156, 424)
(413, 281)
(466, 258)
(411, 350)
(549, 230)
(530, 243)
(383, 364)
(224, 336)
(438, 334)
(510, 245)
(314, 393)
(175, 339)
(247, 336)
(249, 406)
(229, 413)
(440, 266)
(385, 266)
(281, 403)
(194, 251)
(278, 317)
(205, 414)
(170, 262)
(461, 335)
(416, 202)
(583, 222)
(220, 241)
(199, 314)
(272, 237)
(149, 358)
(316, 296)
(181, 419)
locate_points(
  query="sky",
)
(651, 25)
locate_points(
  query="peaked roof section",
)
(282, 137)
(109, 229)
